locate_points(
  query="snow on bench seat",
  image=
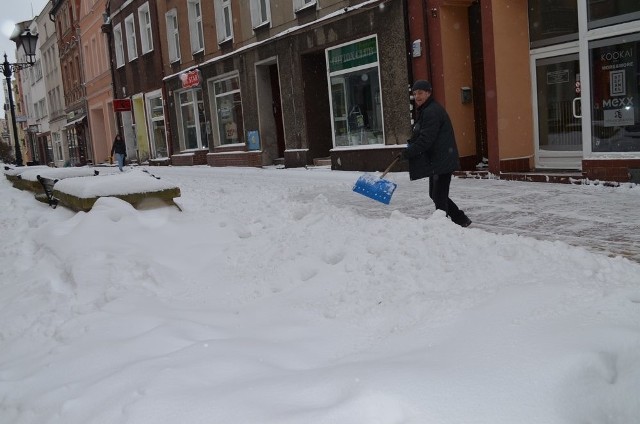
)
(139, 188)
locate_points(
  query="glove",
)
(400, 156)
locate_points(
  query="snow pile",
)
(266, 302)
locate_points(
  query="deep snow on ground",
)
(280, 296)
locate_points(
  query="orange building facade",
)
(532, 86)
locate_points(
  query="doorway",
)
(558, 112)
(478, 84)
(270, 110)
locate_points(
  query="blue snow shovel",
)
(376, 188)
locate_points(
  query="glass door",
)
(559, 122)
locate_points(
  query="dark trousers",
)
(439, 193)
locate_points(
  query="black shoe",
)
(464, 222)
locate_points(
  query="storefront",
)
(354, 92)
(585, 62)
(295, 98)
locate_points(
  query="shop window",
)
(356, 105)
(228, 106)
(552, 21)
(605, 12)
(615, 90)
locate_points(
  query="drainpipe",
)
(407, 36)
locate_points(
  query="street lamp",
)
(28, 42)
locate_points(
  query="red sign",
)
(121, 105)
(191, 79)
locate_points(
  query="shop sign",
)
(615, 67)
(191, 79)
(353, 55)
(121, 105)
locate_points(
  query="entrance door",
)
(277, 108)
(559, 123)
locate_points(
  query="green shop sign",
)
(353, 55)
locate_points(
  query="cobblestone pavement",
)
(600, 218)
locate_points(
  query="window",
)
(303, 4)
(38, 70)
(602, 13)
(146, 37)
(57, 146)
(228, 105)
(193, 131)
(119, 46)
(173, 36)
(155, 114)
(130, 29)
(552, 22)
(224, 21)
(95, 56)
(260, 13)
(42, 108)
(195, 26)
(88, 67)
(356, 105)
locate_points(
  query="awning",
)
(68, 124)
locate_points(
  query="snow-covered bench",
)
(26, 177)
(139, 188)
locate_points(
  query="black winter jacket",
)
(432, 148)
(119, 146)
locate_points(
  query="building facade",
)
(536, 85)
(35, 99)
(280, 81)
(137, 58)
(96, 68)
(57, 119)
(66, 14)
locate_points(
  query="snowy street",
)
(279, 296)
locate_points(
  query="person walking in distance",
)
(120, 150)
(432, 151)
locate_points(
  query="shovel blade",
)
(375, 188)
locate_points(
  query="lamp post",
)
(28, 42)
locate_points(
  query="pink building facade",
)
(97, 76)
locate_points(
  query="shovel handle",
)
(386, 171)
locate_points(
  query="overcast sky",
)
(12, 12)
